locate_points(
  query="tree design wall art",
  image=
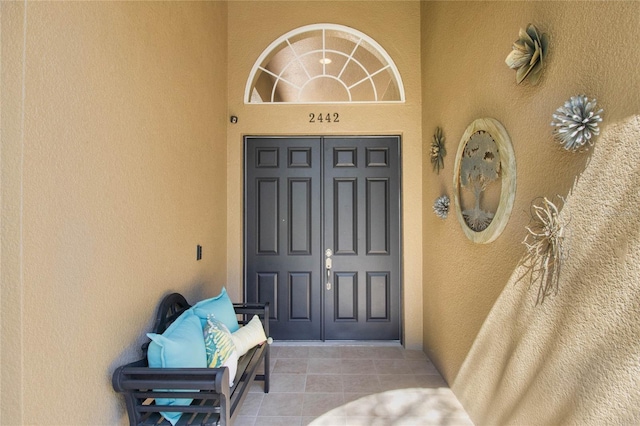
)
(480, 167)
(485, 159)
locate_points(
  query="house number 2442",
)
(330, 117)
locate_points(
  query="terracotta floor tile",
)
(251, 404)
(291, 366)
(351, 385)
(293, 352)
(316, 404)
(324, 383)
(361, 383)
(358, 366)
(281, 404)
(392, 366)
(324, 366)
(287, 382)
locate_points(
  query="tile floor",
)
(328, 384)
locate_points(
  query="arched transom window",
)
(324, 63)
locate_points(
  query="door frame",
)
(401, 310)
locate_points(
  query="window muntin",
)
(324, 63)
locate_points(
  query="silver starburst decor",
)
(438, 151)
(441, 207)
(527, 55)
(576, 122)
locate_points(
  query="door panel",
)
(282, 233)
(267, 204)
(345, 195)
(306, 195)
(361, 226)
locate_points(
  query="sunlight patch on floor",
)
(415, 406)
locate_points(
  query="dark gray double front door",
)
(322, 226)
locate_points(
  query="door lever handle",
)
(328, 263)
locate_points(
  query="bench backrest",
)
(171, 307)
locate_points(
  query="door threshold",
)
(390, 343)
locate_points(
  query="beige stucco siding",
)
(118, 158)
(555, 363)
(396, 27)
(113, 148)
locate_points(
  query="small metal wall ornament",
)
(438, 151)
(528, 54)
(545, 247)
(441, 207)
(576, 122)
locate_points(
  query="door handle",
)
(328, 263)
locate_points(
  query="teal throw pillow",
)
(221, 307)
(180, 346)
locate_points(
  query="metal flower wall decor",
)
(438, 151)
(545, 247)
(441, 207)
(528, 54)
(576, 122)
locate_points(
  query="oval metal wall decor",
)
(485, 157)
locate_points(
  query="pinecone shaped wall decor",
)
(441, 207)
(576, 122)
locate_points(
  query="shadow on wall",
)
(197, 290)
(573, 358)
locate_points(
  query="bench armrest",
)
(248, 310)
(142, 386)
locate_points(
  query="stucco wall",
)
(574, 359)
(396, 27)
(115, 141)
(113, 147)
